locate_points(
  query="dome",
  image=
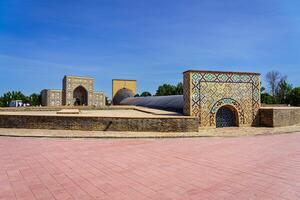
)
(121, 95)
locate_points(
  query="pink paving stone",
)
(261, 167)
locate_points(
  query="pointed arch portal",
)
(80, 96)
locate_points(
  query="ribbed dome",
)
(121, 95)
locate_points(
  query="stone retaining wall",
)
(57, 108)
(277, 117)
(164, 124)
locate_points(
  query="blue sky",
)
(152, 41)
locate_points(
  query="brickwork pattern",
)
(72, 82)
(239, 168)
(187, 94)
(99, 99)
(51, 97)
(90, 123)
(278, 117)
(65, 96)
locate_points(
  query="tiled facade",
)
(51, 97)
(66, 95)
(207, 91)
(70, 83)
(99, 99)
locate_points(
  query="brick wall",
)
(277, 117)
(174, 124)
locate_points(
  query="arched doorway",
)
(80, 95)
(226, 116)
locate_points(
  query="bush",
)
(267, 99)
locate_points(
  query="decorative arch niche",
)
(228, 103)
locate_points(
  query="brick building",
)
(76, 90)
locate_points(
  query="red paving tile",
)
(262, 167)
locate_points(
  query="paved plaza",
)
(255, 167)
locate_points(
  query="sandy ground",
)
(138, 112)
(220, 132)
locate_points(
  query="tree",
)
(294, 97)
(35, 99)
(136, 95)
(283, 91)
(168, 89)
(146, 94)
(107, 102)
(179, 88)
(14, 95)
(2, 104)
(273, 78)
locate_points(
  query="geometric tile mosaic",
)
(207, 91)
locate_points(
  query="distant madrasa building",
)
(76, 90)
